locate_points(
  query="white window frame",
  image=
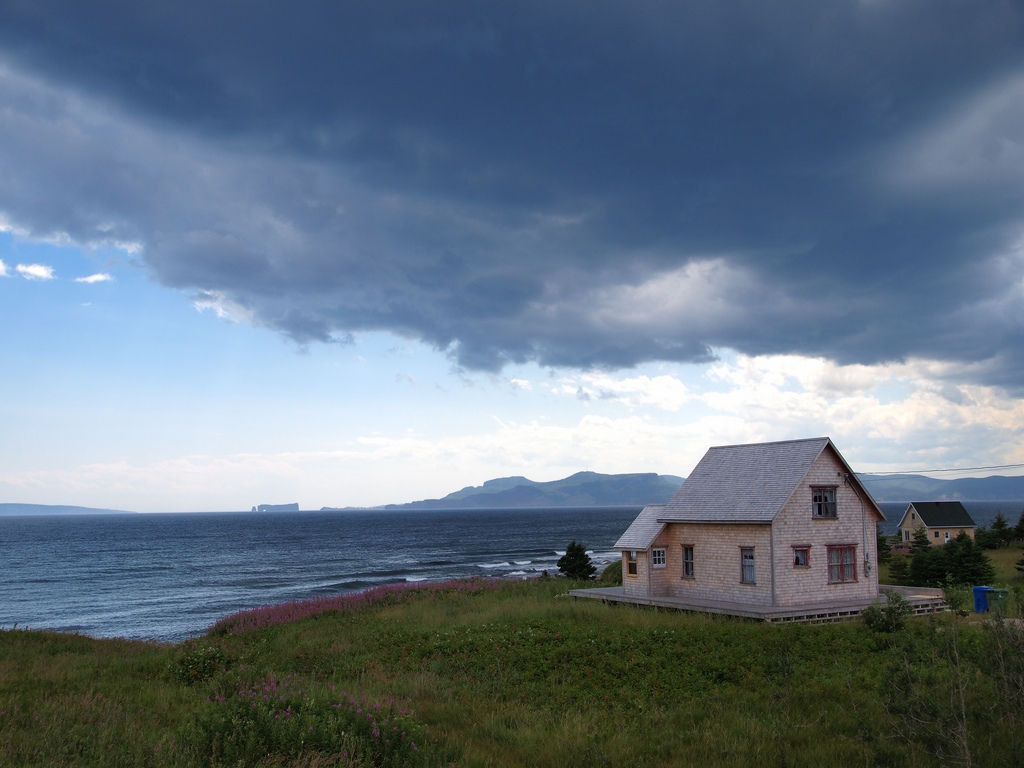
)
(659, 558)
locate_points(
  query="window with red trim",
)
(842, 564)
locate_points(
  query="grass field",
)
(516, 674)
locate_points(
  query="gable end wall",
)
(795, 525)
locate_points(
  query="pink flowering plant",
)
(290, 718)
(390, 594)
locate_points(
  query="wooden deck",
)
(923, 601)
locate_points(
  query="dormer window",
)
(823, 501)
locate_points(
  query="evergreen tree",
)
(1001, 529)
(575, 563)
(928, 567)
(1018, 529)
(959, 562)
(884, 546)
(985, 538)
(966, 563)
(920, 542)
(899, 570)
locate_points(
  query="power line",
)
(951, 469)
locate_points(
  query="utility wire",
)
(951, 469)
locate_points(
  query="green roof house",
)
(944, 520)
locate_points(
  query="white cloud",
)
(222, 306)
(99, 277)
(665, 392)
(895, 417)
(3, 269)
(35, 271)
(702, 294)
(884, 417)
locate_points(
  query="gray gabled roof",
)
(942, 514)
(644, 530)
(747, 483)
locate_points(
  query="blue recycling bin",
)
(981, 598)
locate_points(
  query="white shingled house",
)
(766, 525)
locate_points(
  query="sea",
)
(169, 577)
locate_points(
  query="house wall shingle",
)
(717, 567)
(635, 586)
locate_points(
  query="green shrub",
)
(198, 663)
(612, 575)
(890, 617)
(960, 599)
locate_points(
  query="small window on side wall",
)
(747, 566)
(631, 563)
(801, 557)
(688, 570)
(657, 558)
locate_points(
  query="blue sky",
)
(369, 253)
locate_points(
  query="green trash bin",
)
(997, 599)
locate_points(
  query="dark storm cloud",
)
(583, 184)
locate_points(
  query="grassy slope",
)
(519, 676)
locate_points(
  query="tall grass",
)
(515, 674)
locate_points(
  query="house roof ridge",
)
(775, 442)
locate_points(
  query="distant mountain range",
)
(584, 489)
(920, 488)
(592, 489)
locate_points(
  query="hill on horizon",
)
(13, 510)
(921, 488)
(583, 489)
(595, 489)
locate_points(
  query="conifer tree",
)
(575, 563)
(884, 546)
(899, 570)
(920, 542)
(1018, 529)
(967, 563)
(1001, 529)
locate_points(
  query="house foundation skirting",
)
(812, 613)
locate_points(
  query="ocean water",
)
(170, 576)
